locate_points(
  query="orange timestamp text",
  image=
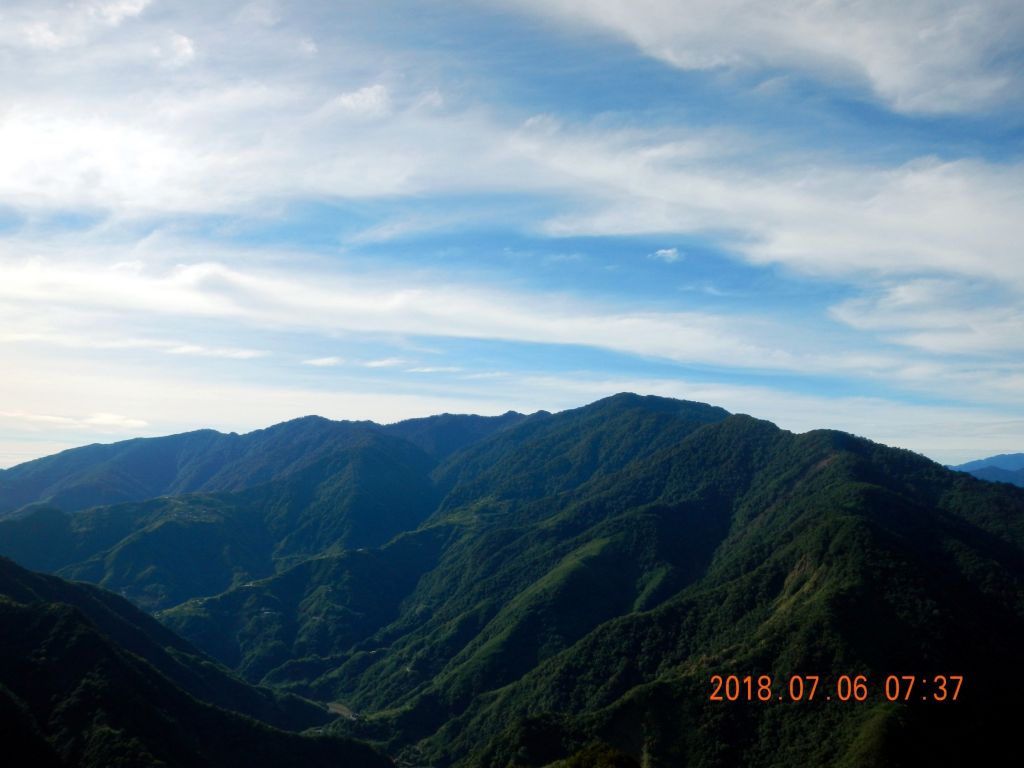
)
(765, 688)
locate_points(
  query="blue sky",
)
(232, 214)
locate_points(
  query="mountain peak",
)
(656, 404)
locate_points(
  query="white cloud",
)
(927, 56)
(369, 101)
(818, 216)
(71, 340)
(103, 423)
(112, 421)
(235, 148)
(64, 163)
(328, 303)
(201, 351)
(668, 255)
(824, 218)
(324, 362)
(942, 316)
(243, 140)
(487, 375)
(233, 298)
(50, 26)
(182, 51)
(113, 12)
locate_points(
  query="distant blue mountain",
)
(1008, 461)
(1004, 468)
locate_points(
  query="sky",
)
(227, 214)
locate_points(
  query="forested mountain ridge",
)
(358, 487)
(210, 461)
(563, 587)
(88, 680)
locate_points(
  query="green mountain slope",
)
(642, 427)
(335, 485)
(443, 435)
(72, 694)
(135, 470)
(592, 574)
(559, 589)
(846, 572)
(164, 551)
(147, 467)
(140, 634)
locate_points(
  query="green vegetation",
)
(558, 589)
(135, 470)
(88, 680)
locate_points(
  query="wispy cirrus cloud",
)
(941, 316)
(920, 56)
(823, 218)
(231, 138)
(434, 369)
(104, 422)
(324, 362)
(203, 351)
(111, 341)
(236, 297)
(820, 216)
(330, 302)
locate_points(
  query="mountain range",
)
(1004, 468)
(552, 589)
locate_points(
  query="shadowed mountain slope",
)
(163, 551)
(88, 680)
(206, 460)
(441, 436)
